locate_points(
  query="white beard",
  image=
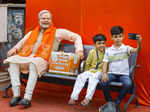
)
(44, 26)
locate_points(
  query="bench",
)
(69, 80)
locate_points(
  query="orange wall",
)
(88, 17)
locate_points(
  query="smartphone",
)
(132, 36)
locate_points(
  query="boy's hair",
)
(115, 30)
(110, 107)
(99, 37)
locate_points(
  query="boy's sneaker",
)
(85, 102)
(25, 102)
(72, 102)
(14, 101)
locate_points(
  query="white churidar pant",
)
(93, 79)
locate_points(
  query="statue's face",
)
(45, 20)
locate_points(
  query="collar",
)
(122, 46)
(100, 51)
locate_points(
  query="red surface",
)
(51, 98)
(88, 17)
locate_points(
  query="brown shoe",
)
(85, 102)
(71, 102)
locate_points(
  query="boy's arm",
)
(88, 61)
(104, 71)
(134, 50)
(105, 67)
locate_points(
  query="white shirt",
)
(118, 59)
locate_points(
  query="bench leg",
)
(22, 81)
(6, 91)
(129, 101)
(137, 103)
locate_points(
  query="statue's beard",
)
(44, 26)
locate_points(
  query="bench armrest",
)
(82, 66)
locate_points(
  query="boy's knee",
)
(82, 76)
(79, 76)
(104, 84)
(127, 84)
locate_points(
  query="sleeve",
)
(19, 45)
(89, 61)
(63, 34)
(106, 56)
(129, 50)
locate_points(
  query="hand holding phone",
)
(133, 36)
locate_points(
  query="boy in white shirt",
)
(116, 57)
